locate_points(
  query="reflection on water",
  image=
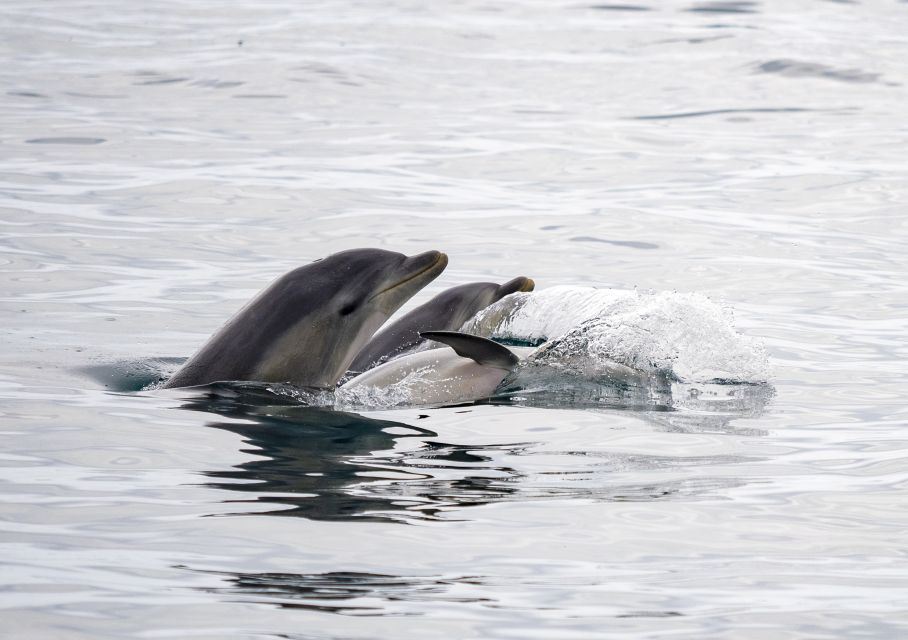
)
(721, 112)
(312, 457)
(344, 592)
(672, 406)
(796, 69)
(724, 7)
(352, 593)
(322, 464)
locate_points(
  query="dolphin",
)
(445, 312)
(307, 326)
(469, 369)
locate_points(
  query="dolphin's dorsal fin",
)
(482, 350)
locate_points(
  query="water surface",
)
(162, 162)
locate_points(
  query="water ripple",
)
(144, 199)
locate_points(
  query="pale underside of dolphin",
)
(468, 369)
(308, 325)
(445, 312)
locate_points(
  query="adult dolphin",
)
(445, 312)
(307, 326)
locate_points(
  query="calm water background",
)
(160, 162)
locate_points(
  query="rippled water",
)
(162, 161)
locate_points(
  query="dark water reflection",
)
(343, 592)
(355, 593)
(721, 112)
(328, 465)
(333, 465)
(724, 7)
(312, 457)
(799, 69)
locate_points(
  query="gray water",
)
(162, 161)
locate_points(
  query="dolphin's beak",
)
(434, 261)
(419, 270)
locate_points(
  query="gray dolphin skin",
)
(445, 312)
(307, 326)
(472, 368)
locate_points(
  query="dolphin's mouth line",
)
(441, 259)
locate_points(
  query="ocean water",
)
(161, 162)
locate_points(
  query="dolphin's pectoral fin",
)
(482, 350)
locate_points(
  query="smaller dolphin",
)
(445, 312)
(470, 369)
(309, 324)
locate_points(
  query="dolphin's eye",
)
(349, 308)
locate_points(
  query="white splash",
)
(684, 336)
(402, 393)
